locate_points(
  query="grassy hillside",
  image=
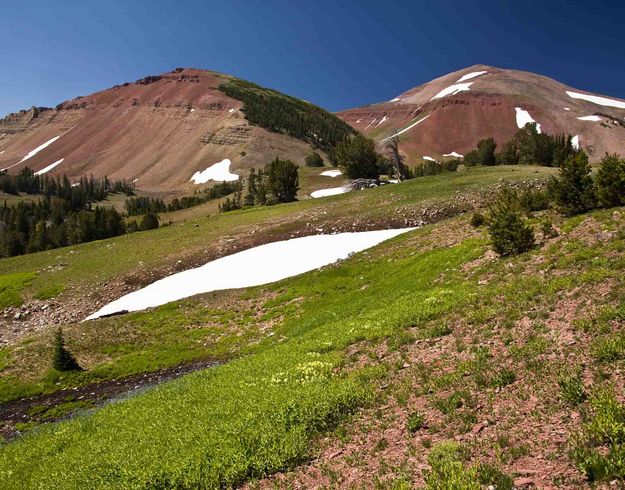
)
(431, 348)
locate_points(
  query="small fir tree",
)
(611, 181)
(574, 190)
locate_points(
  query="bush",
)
(508, 231)
(574, 190)
(149, 222)
(477, 219)
(547, 229)
(62, 359)
(534, 200)
(611, 181)
(359, 158)
(416, 421)
(572, 387)
(314, 160)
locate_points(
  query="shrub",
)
(611, 181)
(572, 387)
(477, 219)
(416, 421)
(149, 222)
(314, 160)
(534, 200)
(574, 190)
(447, 471)
(359, 158)
(503, 377)
(547, 229)
(508, 231)
(62, 359)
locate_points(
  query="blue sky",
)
(337, 54)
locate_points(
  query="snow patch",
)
(396, 99)
(259, 265)
(425, 157)
(219, 172)
(371, 123)
(567, 109)
(333, 191)
(358, 121)
(575, 141)
(1, 152)
(407, 128)
(381, 121)
(471, 75)
(590, 118)
(331, 173)
(453, 154)
(453, 90)
(394, 181)
(32, 153)
(595, 99)
(523, 117)
(49, 167)
(135, 180)
(192, 110)
(230, 110)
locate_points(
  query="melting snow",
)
(329, 192)
(396, 99)
(453, 154)
(453, 90)
(425, 157)
(567, 109)
(381, 121)
(192, 110)
(471, 75)
(358, 121)
(49, 167)
(230, 110)
(331, 173)
(523, 117)
(590, 118)
(219, 172)
(135, 181)
(595, 99)
(32, 153)
(1, 152)
(575, 141)
(407, 128)
(371, 123)
(253, 267)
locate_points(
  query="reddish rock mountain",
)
(450, 114)
(159, 130)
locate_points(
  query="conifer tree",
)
(574, 190)
(62, 359)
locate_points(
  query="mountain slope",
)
(452, 113)
(162, 129)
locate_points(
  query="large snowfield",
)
(595, 99)
(453, 90)
(253, 267)
(523, 117)
(219, 172)
(471, 75)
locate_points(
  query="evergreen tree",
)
(611, 181)
(508, 231)
(574, 190)
(62, 359)
(282, 180)
(358, 157)
(486, 151)
(314, 160)
(149, 222)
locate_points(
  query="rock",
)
(523, 482)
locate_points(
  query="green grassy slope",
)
(344, 338)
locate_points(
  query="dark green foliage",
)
(280, 113)
(314, 160)
(136, 206)
(149, 222)
(491, 476)
(508, 231)
(611, 181)
(358, 157)
(434, 168)
(547, 229)
(503, 377)
(62, 359)
(486, 151)
(574, 190)
(509, 154)
(282, 180)
(472, 158)
(477, 219)
(534, 200)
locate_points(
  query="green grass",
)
(11, 286)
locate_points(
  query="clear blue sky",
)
(335, 53)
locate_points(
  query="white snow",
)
(471, 75)
(453, 90)
(32, 153)
(425, 157)
(219, 172)
(192, 110)
(333, 191)
(358, 121)
(396, 99)
(49, 167)
(575, 141)
(371, 123)
(567, 109)
(230, 110)
(590, 118)
(394, 181)
(1, 152)
(595, 99)
(253, 267)
(135, 180)
(331, 173)
(407, 128)
(523, 117)
(381, 121)
(453, 154)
